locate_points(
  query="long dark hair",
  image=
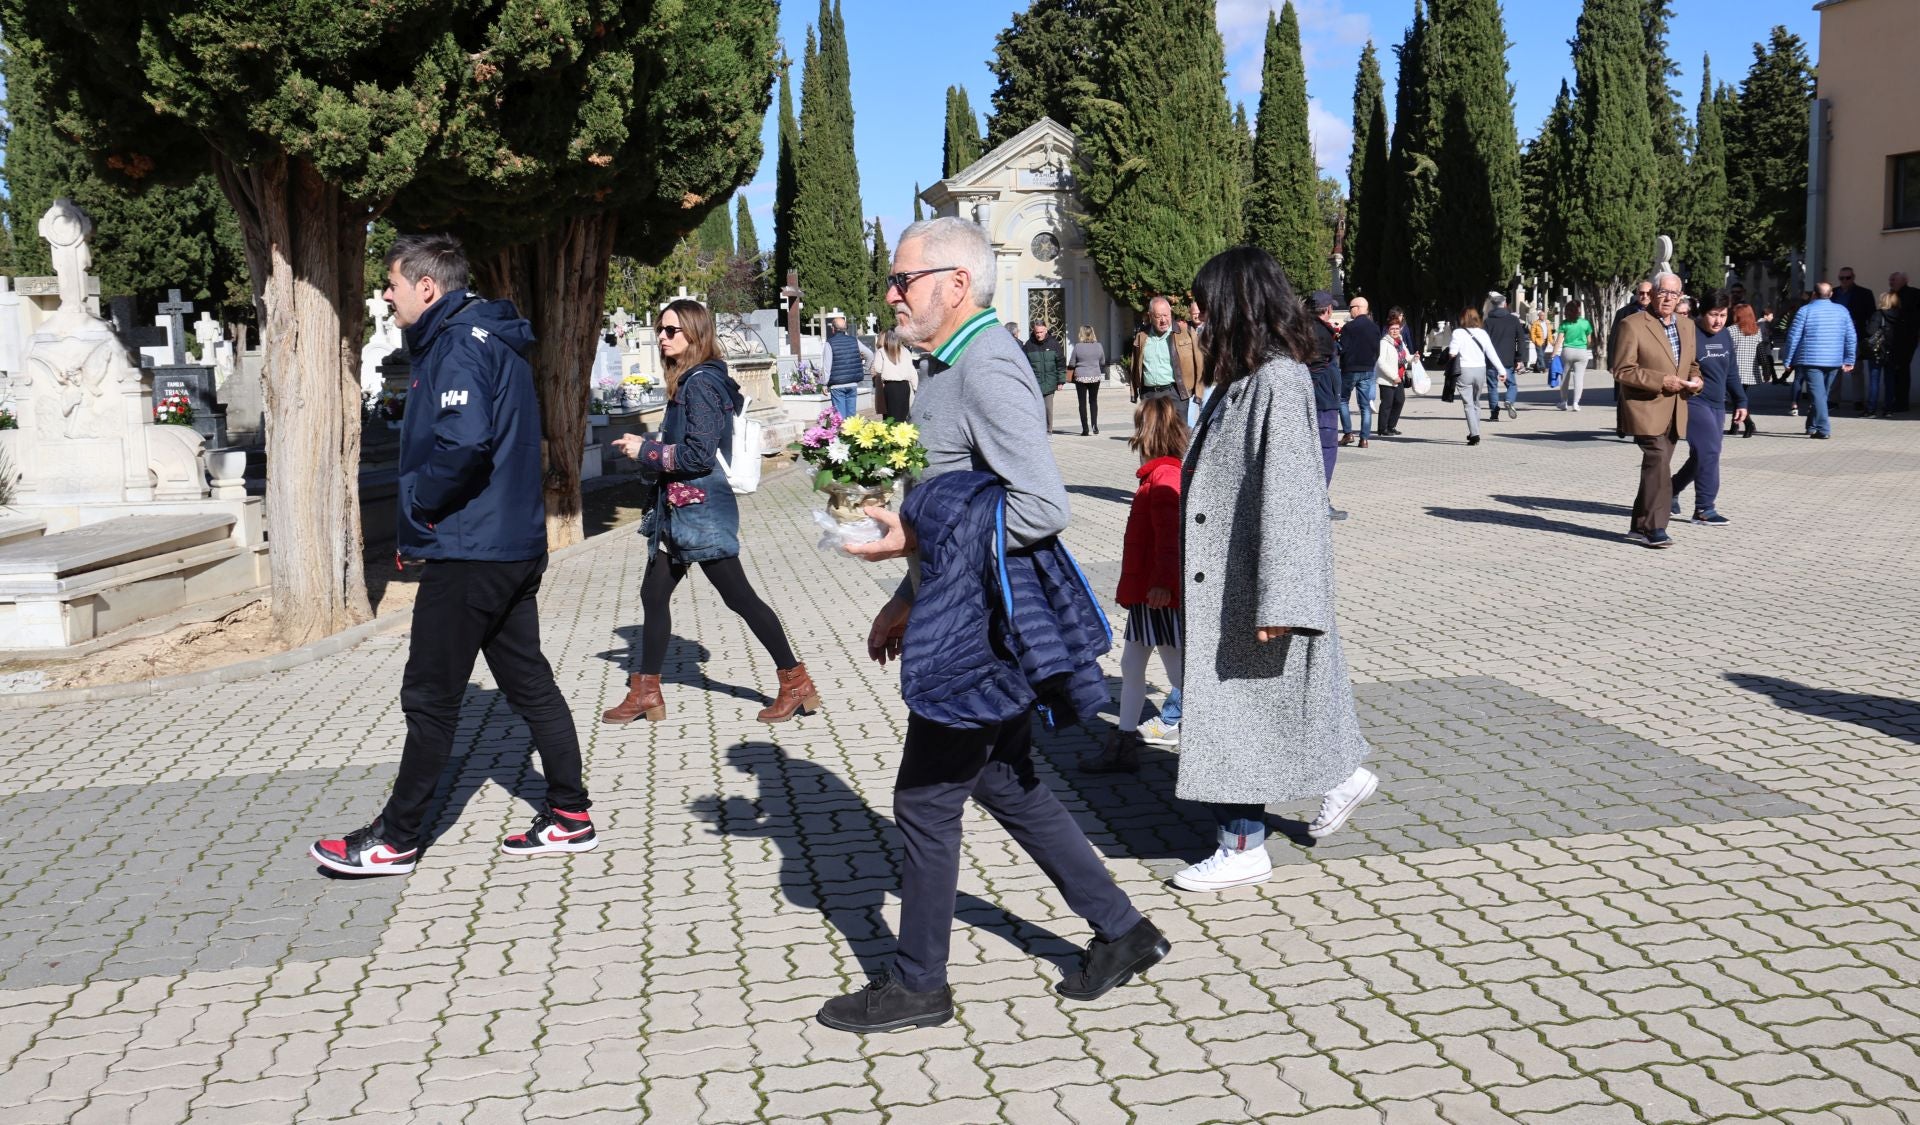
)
(1252, 314)
(696, 321)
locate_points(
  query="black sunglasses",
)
(900, 281)
(669, 331)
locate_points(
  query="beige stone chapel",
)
(1023, 194)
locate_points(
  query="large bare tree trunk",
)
(559, 283)
(305, 244)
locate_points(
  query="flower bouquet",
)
(173, 410)
(857, 463)
(393, 405)
(7, 420)
(636, 390)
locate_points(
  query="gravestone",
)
(195, 380)
(148, 341)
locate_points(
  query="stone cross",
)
(176, 310)
(792, 294)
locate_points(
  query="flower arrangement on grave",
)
(173, 410)
(636, 388)
(606, 395)
(7, 420)
(806, 379)
(857, 463)
(393, 405)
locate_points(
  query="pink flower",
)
(815, 438)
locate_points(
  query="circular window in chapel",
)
(1046, 246)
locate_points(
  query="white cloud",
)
(1332, 139)
(1330, 36)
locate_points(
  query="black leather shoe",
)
(1110, 964)
(887, 1005)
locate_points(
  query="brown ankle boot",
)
(797, 696)
(643, 698)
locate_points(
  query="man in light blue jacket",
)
(1820, 346)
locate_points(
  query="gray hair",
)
(1665, 274)
(438, 256)
(1497, 300)
(953, 241)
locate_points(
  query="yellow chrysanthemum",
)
(868, 437)
(898, 459)
(905, 434)
(853, 425)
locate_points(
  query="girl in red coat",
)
(1149, 575)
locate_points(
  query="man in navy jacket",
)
(472, 515)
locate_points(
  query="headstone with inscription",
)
(181, 377)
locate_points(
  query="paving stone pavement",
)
(1644, 849)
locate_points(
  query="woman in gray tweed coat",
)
(1269, 709)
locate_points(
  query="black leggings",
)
(656, 596)
(1393, 400)
(1089, 394)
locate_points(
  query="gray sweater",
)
(985, 413)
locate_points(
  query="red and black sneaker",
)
(554, 832)
(364, 852)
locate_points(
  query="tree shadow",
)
(839, 857)
(1891, 716)
(1102, 492)
(1521, 522)
(1560, 435)
(1559, 504)
(685, 664)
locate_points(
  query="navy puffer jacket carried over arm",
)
(996, 630)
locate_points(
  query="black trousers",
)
(727, 576)
(467, 607)
(1899, 380)
(1393, 400)
(939, 769)
(1089, 396)
(895, 397)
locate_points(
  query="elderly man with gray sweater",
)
(978, 409)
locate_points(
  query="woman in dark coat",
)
(695, 518)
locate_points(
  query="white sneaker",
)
(1338, 805)
(1153, 732)
(1225, 869)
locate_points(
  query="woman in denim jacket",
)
(695, 518)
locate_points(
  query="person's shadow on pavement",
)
(840, 857)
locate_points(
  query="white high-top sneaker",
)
(1225, 869)
(1339, 804)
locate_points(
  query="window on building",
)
(1905, 170)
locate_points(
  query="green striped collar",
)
(949, 353)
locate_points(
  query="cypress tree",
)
(1767, 154)
(962, 146)
(1477, 223)
(882, 266)
(1043, 62)
(1546, 174)
(1243, 133)
(746, 239)
(1413, 194)
(1611, 207)
(918, 213)
(1706, 196)
(1670, 133)
(1367, 172)
(714, 236)
(1161, 186)
(784, 177)
(829, 245)
(1282, 204)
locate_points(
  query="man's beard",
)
(915, 328)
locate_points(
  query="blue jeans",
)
(1819, 384)
(1242, 827)
(1876, 387)
(846, 399)
(1170, 710)
(1706, 431)
(1362, 381)
(1329, 444)
(1495, 391)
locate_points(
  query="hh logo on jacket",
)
(453, 398)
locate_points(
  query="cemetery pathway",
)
(1644, 849)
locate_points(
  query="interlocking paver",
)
(1589, 886)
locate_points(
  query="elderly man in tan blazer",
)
(1655, 371)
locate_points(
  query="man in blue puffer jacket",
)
(472, 513)
(1820, 345)
(978, 409)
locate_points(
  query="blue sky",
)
(905, 53)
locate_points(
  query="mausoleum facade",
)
(1023, 193)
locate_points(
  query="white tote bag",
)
(741, 464)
